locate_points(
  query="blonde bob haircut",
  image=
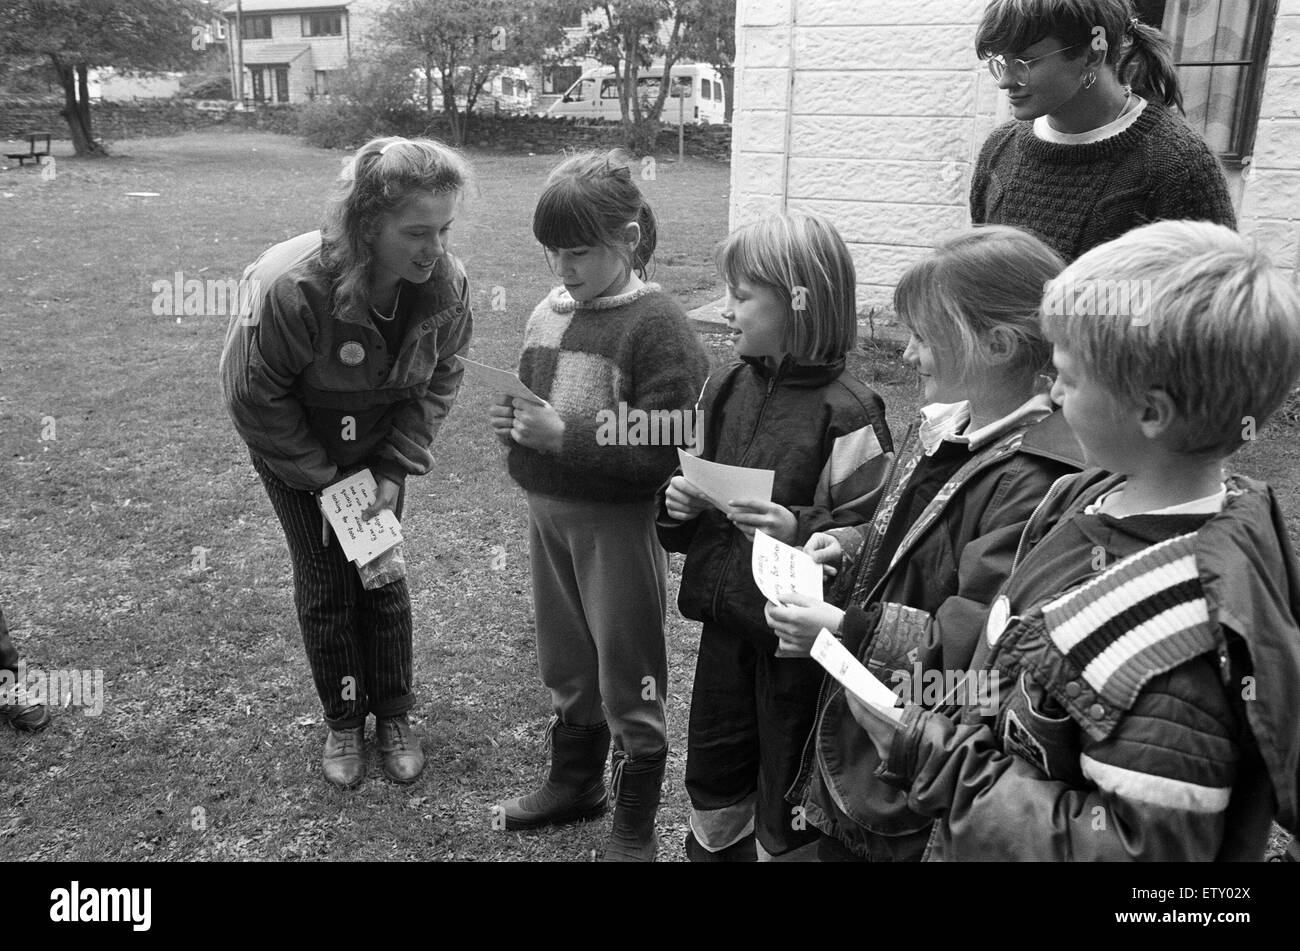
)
(380, 176)
(805, 262)
(1217, 328)
(986, 279)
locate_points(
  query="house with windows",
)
(289, 49)
(873, 115)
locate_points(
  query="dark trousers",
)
(751, 713)
(8, 653)
(358, 642)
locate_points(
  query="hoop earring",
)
(1090, 81)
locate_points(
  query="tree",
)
(634, 34)
(712, 39)
(468, 43)
(75, 36)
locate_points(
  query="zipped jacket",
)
(309, 390)
(1152, 706)
(913, 618)
(825, 435)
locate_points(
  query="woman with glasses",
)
(1098, 145)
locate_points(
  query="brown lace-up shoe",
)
(403, 759)
(344, 761)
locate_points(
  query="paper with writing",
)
(780, 569)
(343, 502)
(845, 668)
(718, 482)
(500, 381)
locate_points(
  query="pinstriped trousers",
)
(358, 642)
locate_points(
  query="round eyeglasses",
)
(1019, 68)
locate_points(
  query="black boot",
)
(636, 801)
(744, 850)
(575, 788)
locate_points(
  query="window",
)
(609, 89)
(257, 28)
(322, 82)
(706, 89)
(259, 85)
(322, 24)
(507, 86)
(1221, 47)
(558, 79)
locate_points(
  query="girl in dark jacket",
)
(788, 405)
(917, 580)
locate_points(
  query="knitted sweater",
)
(585, 358)
(1076, 197)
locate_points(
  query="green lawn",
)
(208, 746)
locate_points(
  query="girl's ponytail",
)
(649, 238)
(1147, 64)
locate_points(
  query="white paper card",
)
(718, 482)
(500, 381)
(780, 569)
(845, 668)
(343, 502)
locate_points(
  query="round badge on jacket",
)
(352, 353)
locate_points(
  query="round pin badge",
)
(999, 615)
(352, 353)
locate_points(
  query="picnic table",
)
(32, 153)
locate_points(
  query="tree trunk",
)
(77, 111)
(729, 87)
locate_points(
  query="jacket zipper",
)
(1052, 493)
(731, 547)
(811, 746)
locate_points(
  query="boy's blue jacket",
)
(1177, 749)
(825, 435)
(309, 390)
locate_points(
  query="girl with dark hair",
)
(347, 359)
(1096, 147)
(604, 347)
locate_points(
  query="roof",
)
(259, 55)
(287, 6)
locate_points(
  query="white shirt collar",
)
(1043, 129)
(945, 421)
(1208, 505)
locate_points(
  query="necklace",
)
(396, 298)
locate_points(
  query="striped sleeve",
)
(1156, 789)
(849, 485)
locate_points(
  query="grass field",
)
(208, 745)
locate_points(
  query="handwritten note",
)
(845, 668)
(500, 381)
(718, 483)
(780, 569)
(343, 502)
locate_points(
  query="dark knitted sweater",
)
(1076, 197)
(585, 359)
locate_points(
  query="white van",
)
(697, 94)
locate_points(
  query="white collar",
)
(1043, 129)
(945, 421)
(1208, 505)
